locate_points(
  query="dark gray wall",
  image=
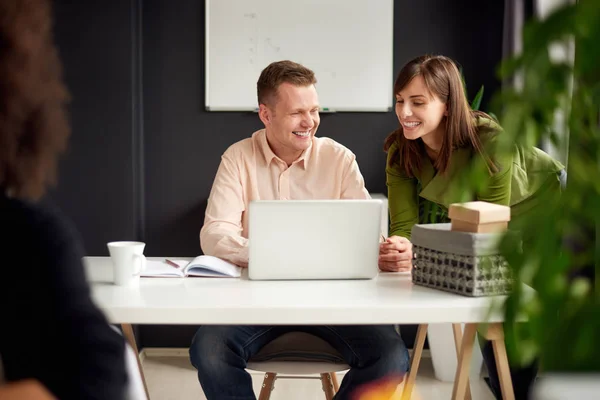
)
(97, 181)
(158, 194)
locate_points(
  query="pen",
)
(171, 263)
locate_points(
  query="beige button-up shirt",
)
(249, 170)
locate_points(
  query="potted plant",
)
(563, 327)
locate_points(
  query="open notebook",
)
(207, 266)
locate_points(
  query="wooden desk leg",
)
(128, 332)
(267, 386)
(334, 380)
(461, 379)
(495, 333)
(327, 386)
(457, 330)
(414, 362)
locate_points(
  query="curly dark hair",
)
(33, 118)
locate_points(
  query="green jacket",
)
(521, 177)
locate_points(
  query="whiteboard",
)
(347, 43)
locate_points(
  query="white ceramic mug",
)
(128, 261)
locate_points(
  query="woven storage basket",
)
(459, 262)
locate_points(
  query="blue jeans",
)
(220, 354)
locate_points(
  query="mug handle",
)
(141, 265)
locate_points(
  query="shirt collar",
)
(269, 155)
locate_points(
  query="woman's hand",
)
(395, 254)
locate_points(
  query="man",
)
(283, 161)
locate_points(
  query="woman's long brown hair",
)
(442, 79)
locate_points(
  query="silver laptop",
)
(314, 239)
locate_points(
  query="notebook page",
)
(201, 265)
(161, 269)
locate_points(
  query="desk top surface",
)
(390, 298)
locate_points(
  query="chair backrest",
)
(298, 353)
(135, 385)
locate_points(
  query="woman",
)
(440, 145)
(54, 342)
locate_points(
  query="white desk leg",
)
(414, 363)
(128, 333)
(461, 379)
(458, 337)
(495, 333)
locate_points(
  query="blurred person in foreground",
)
(54, 342)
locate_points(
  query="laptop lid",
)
(314, 239)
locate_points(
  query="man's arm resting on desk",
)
(221, 234)
(217, 241)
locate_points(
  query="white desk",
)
(390, 298)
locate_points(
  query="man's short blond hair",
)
(280, 72)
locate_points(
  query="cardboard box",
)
(490, 227)
(479, 212)
(479, 217)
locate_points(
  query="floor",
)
(174, 378)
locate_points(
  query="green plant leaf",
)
(477, 100)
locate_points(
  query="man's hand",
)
(395, 254)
